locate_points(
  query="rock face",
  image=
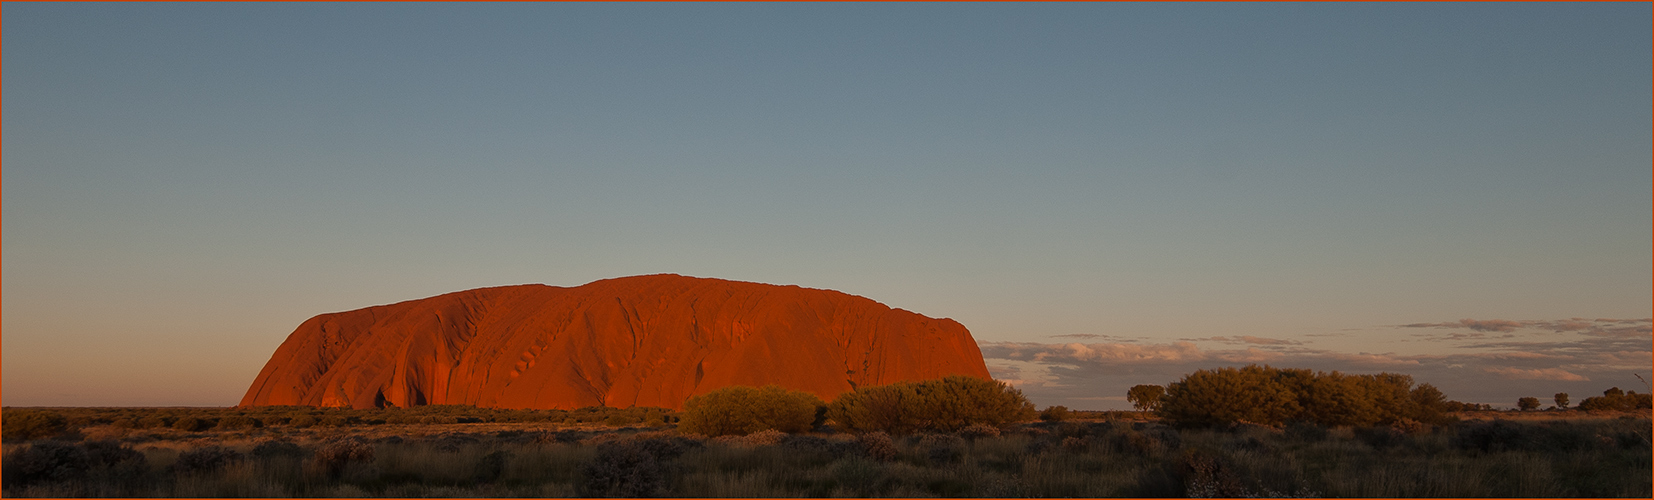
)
(643, 340)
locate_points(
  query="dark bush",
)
(45, 462)
(944, 405)
(1136, 442)
(453, 442)
(153, 422)
(31, 424)
(205, 459)
(1410, 427)
(1072, 429)
(667, 447)
(974, 432)
(1380, 438)
(1054, 414)
(742, 410)
(816, 444)
(1076, 444)
(622, 470)
(117, 461)
(1208, 476)
(191, 424)
(236, 422)
(878, 446)
(111, 453)
(1305, 431)
(276, 448)
(492, 466)
(618, 420)
(336, 421)
(332, 458)
(1490, 436)
(942, 448)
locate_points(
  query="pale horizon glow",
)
(1104, 194)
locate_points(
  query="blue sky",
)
(185, 183)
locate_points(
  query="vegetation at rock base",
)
(741, 410)
(926, 452)
(943, 405)
(1590, 456)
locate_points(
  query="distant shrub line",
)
(22, 424)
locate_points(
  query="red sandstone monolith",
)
(636, 341)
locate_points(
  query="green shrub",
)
(943, 405)
(1271, 396)
(741, 410)
(1227, 395)
(31, 424)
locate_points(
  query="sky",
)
(1105, 194)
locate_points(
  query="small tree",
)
(1145, 397)
(1528, 404)
(1562, 400)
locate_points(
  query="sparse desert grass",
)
(1606, 456)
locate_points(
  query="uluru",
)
(635, 341)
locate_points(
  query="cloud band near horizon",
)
(1480, 361)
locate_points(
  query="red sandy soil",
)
(635, 341)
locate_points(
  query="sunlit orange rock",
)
(636, 341)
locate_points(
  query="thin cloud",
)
(1537, 374)
(1248, 339)
(1600, 327)
(1490, 325)
(1092, 336)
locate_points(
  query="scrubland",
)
(360, 453)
